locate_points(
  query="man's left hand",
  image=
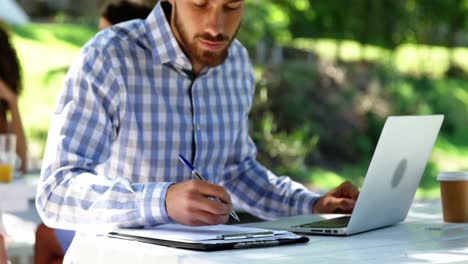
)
(339, 200)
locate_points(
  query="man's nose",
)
(215, 23)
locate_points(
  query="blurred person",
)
(10, 87)
(144, 92)
(52, 244)
(3, 253)
(122, 11)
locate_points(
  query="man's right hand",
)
(188, 203)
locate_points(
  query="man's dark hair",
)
(124, 10)
(10, 69)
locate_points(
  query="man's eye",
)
(234, 6)
(199, 4)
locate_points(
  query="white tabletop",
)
(18, 216)
(422, 238)
(15, 196)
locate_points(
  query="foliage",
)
(265, 21)
(337, 112)
(329, 106)
(385, 23)
(382, 23)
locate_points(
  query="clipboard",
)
(209, 238)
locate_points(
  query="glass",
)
(7, 157)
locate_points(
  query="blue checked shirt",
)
(128, 108)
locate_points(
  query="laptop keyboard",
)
(339, 222)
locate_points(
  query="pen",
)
(200, 177)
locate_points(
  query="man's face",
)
(206, 28)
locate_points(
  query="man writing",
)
(144, 92)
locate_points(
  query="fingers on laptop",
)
(344, 205)
(346, 190)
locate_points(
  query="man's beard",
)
(195, 53)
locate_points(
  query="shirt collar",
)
(164, 44)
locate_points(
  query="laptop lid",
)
(395, 171)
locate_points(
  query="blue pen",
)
(200, 177)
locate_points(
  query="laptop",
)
(392, 178)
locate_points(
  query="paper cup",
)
(454, 193)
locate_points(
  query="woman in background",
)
(10, 87)
(52, 244)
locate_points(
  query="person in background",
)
(10, 88)
(122, 11)
(3, 254)
(51, 244)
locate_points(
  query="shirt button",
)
(198, 127)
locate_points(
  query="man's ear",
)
(171, 1)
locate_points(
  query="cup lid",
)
(453, 176)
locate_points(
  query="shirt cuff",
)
(307, 202)
(153, 207)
